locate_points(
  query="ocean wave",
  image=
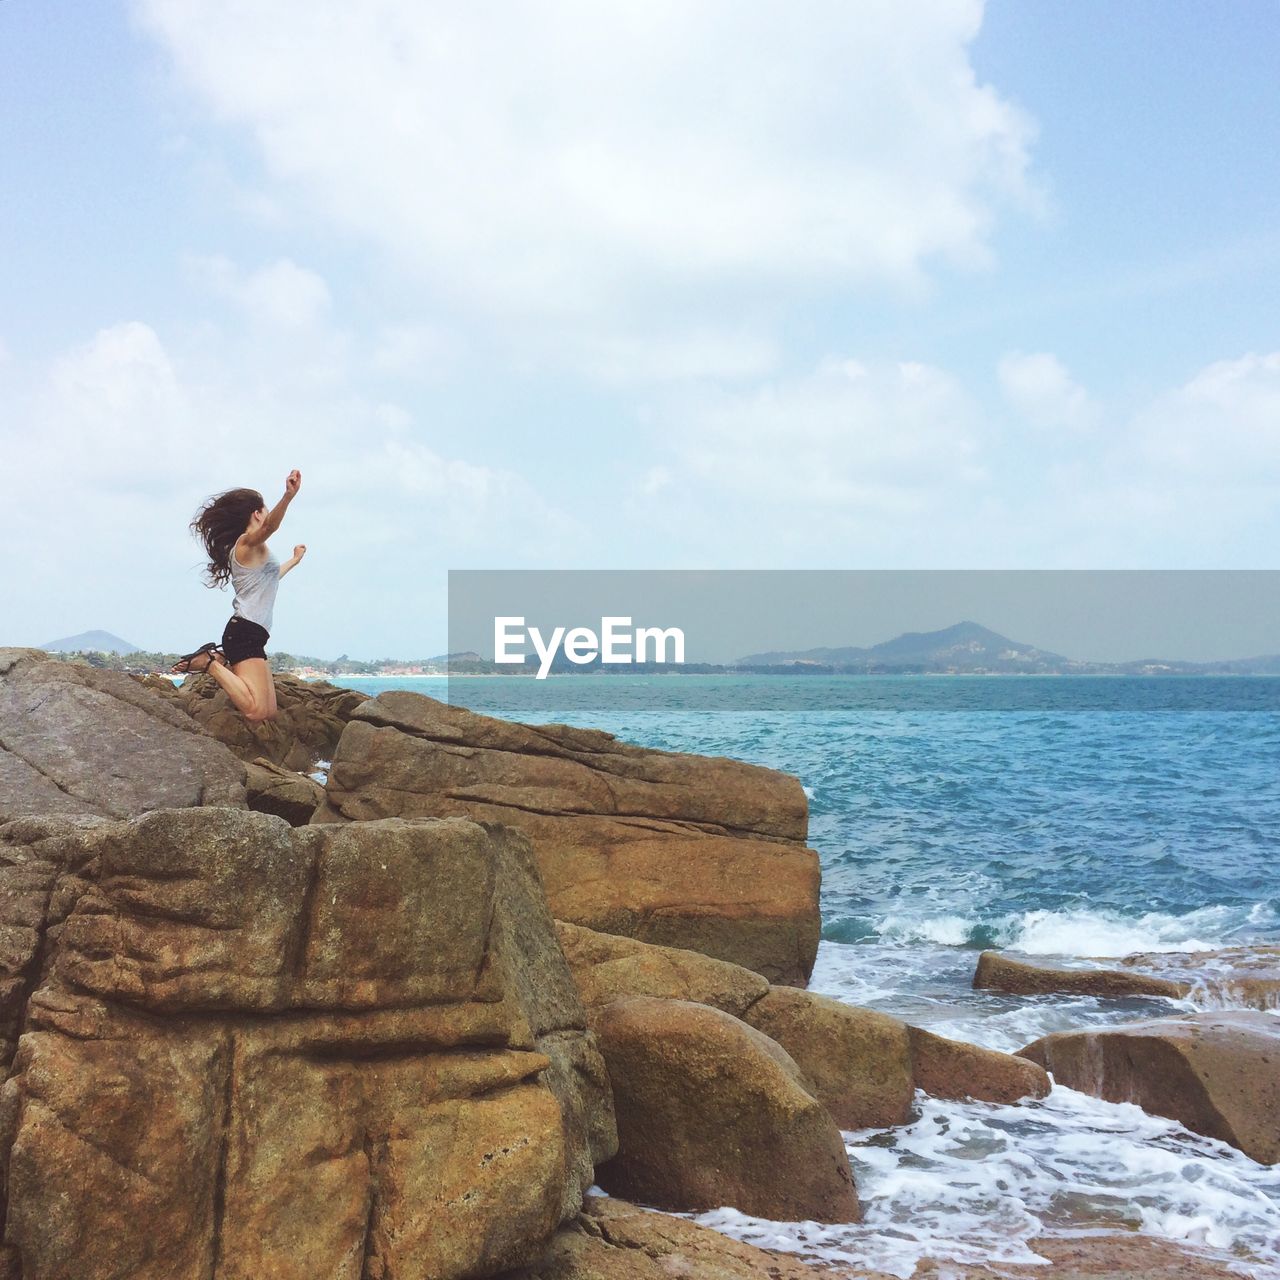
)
(974, 1183)
(1077, 932)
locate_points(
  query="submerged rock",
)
(1216, 1073)
(77, 740)
(699, 852)
(252, 1050)
(711, 1112)
(1228, 977)
(998, 971)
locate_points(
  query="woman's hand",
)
(299, 551)
(292, 483)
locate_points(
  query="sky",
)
(696, 285)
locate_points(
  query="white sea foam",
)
(974, 1182)
(1082, 931)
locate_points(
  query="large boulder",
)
(613, 1240)
(698, 852)
(863, 1066)
(249, 1050)
(711, 1112)
(75, 740)
(312, 716)
(607, 967)
(998, 971)
(1216, 1073)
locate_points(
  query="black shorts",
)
(243, 639)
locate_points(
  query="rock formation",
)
(863, 1066)
(250, 1050)
(312, 717)
(1216, 1073)
(711, 1112)
(998, 971)
(289, 795)
(613, 1240)
(703, 853)
(77, 740)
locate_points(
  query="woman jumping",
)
(234, 527)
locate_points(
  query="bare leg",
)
(249, 686)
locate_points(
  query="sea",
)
(1064, 817)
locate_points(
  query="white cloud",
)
(121, 438)
(570, 159)
(281, 294)
(1040, 389)
(875, 438)
(1221, 427)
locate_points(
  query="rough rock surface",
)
(77, 740)
(312, 716)
(251, 1051)
(698, 852)
(997, 971)
(863, 1066)
(711, 1112)
(1229, 976)
(289, 795)
(607, 968)
(613, 1240)
(1216, 1073)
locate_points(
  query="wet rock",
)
(614, 1240)
(998, 971)
(1216, 1073)
(711, 1112)
(703, 853)
(1229, 977)
(257, 1051)
(77, 740)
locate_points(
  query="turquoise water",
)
(978, 811)
(1062, 816)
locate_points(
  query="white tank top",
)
(255, 590)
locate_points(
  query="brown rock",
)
(312, 716)
(1230, 976)
(998, 971)
(1119, 1255)
(614, 1240)
(703, 853)
(953, 1069)
(606, 967)
(863, 1066)
(255, 1051)
(857, 1062)
(711, 1112)
(1216, 1073)
(289, 795)
(77, 740)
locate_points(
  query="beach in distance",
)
(1063, 818)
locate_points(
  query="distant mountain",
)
(966, 646)
(91, 642)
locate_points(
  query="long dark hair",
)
(219, 524)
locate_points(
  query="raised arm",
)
(275, 516)
(294, 560)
